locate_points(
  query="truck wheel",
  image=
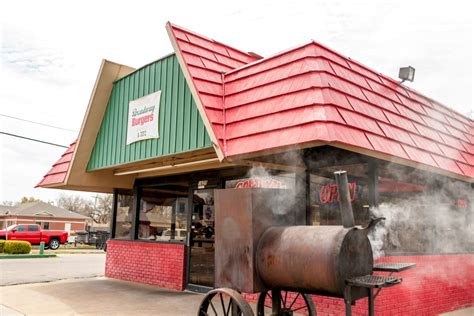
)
(53, 244)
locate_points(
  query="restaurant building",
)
(47, 216)
(163, 137)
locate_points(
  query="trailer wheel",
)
(285, 303)
(226, 302)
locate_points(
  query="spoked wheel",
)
(224, 302)
(285, 303)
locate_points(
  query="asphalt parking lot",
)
(64, 266)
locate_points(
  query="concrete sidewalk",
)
(102, 296)
(96, 296)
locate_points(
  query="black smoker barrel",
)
(313, 259)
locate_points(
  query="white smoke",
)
(422, 224)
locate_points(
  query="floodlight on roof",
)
(407, 73)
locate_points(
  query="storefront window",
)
(325, 199)
(123, 227)
(163, 213)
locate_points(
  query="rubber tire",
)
(53, 244)
(307, 298)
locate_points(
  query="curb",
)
(27, 256)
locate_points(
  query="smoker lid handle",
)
(373, 222)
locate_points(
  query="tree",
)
(102, 210)
(74, 203)
(28, 200)
(99, 210)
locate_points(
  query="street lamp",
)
(407, 73)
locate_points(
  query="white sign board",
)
(143, 118)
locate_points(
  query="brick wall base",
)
(438, 284)
(157, 264)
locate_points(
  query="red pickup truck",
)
(34, 235)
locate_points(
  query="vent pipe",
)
(345, 205)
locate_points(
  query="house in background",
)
(48, 216)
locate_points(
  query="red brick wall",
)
(152, 263)
(438, 284)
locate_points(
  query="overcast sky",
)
(51, 52)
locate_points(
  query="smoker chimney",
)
(345, 205)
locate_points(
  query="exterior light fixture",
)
(407, 73)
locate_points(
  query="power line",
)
(38, 123)
(33, 139)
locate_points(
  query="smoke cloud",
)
(426, 223)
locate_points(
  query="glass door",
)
(201, 241)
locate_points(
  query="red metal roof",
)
(206, 60)
(57, 174)
(313, 95)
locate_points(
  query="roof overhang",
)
(101, 181)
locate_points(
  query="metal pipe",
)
(345, 205)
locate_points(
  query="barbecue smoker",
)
(259, 249)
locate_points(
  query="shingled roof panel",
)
(57, 174)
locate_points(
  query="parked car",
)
(34, 234)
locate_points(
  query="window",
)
(21, 228)
(123, 219)
(46, 225)
(324, 196)
(33, 228)
(163, 212)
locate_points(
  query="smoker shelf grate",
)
(373, 281)
(393, 266)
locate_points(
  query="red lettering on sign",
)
(462, 203)
(328, 193)
(268, 183)
(142, 119)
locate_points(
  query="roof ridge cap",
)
(268, 58)
(208, 38)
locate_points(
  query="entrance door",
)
(201, 241)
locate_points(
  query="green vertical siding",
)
(180, 126)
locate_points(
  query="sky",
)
(51, 52)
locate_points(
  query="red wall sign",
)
(268, 183)
(328, 193)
